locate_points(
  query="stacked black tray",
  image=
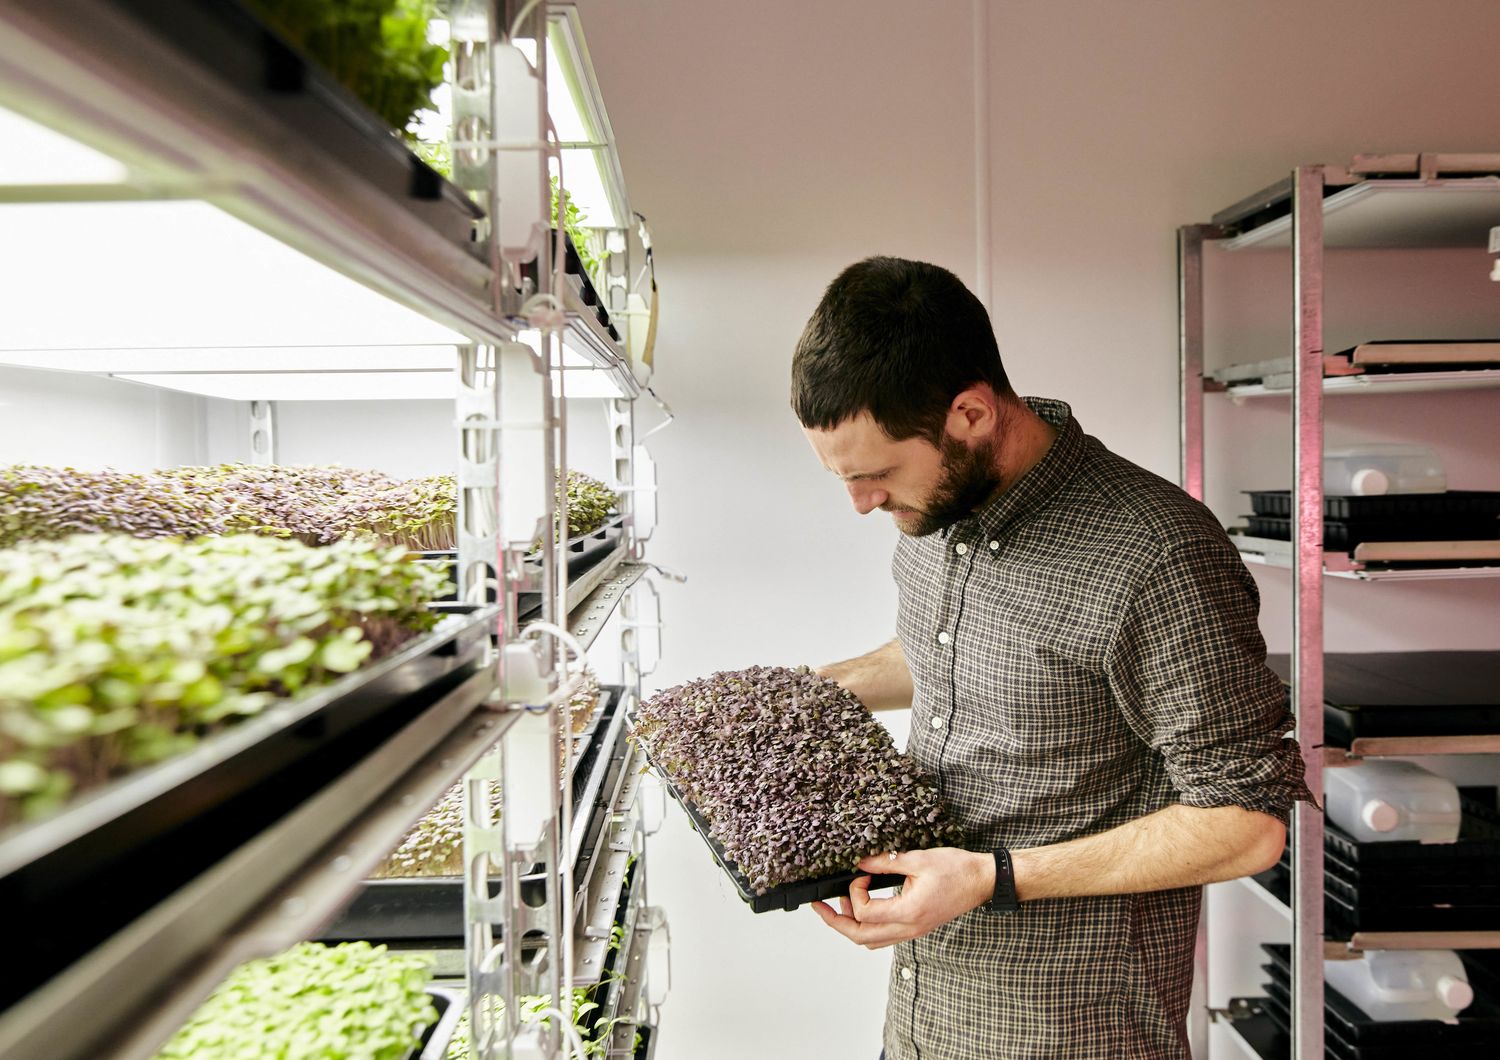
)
(267, 73)
(1409, 886)
(1349, 1034)
(117, 851)
(431, 908)
(1424, 693)
(1457, 515)
(585, 551)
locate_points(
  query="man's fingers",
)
(895, 910)
(845, 907)
(903, 864)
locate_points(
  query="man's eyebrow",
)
(857, 475)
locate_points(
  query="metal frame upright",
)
(1307, 531)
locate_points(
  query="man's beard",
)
(969, 479)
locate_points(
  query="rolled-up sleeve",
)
(1187, 666)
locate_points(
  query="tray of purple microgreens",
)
(790, 780)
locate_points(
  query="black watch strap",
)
(1004, 900)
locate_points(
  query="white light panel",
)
(307, 386)
(34, 154)
(164, 275)
(242, 359)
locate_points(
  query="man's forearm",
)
(1180, 846)
(880, 679)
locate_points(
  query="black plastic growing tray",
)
(235, 47)
(431, 908)
(1347, 533)
(1474, 1036)
(439, 1036)
(788, 896)
(1422, 693)
(1453, 503)
(118, 851)
(585, 552)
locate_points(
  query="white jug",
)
(1403, 984)
(1378, 801)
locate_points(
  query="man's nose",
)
(865, 498)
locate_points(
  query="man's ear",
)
(974, 413)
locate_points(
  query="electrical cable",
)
(515, 25)
(575, 1041)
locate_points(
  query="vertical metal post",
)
(263, 432)
(622, 451)
(1190, 357)
(1307, 609)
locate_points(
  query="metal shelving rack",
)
(187, 133)
(1386, 201)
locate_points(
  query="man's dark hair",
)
(898, 339)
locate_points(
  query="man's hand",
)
(941, 884)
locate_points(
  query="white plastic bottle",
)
(1403, 984)
(1378, 801)
(1377, 468)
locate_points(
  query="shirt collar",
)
(1038, 485)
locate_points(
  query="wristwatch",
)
(1004, 899)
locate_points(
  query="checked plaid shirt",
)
(1085, 651)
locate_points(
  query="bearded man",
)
(1077, 639)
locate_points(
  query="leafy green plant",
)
(117, 652)
(592, 1031)
(48, 503)
(312, 504)
(575, 223)
(377, 49)
(434, 845)
(795, 778)
(353, 1001)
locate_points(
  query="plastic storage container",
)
(1378, 801)
(1373, 470)
(1390, 985)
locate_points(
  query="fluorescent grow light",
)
(238, 360)
(180, 274)
(34, 154)
(307, 386)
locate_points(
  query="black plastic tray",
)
(431, 908)
(1387, 506)
(118, 851)
(1348, 533)
(1424, 693)
(1477, 1026)
(233, 45)
(439, 1036)
(788, 896)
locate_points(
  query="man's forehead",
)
(855, 448)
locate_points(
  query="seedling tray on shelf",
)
(117, 851)
(1452, 504)
(1477, 1027)
(585, 552)
(239, 51)
(787, 896)
(1344, 534)
(1423, 693)
(431, 908)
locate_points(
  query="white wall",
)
(772, 146)
(60, 418)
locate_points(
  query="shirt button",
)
(906, 973)
(937, 723)
(961, 548)
(994, 546)
(943, 637)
